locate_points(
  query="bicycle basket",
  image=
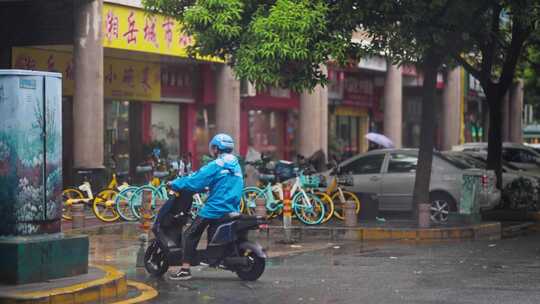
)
(345, 180)
(310, 181)
(284, 170)
(267, 178)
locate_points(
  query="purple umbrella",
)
(380, 140)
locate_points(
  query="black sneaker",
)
(181, 275)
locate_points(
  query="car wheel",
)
(441, 205)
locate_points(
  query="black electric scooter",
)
(229, 247)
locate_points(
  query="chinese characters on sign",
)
(134, 29)
(168, 26)
(45, 60)
(131, 34)
(150, 30)
(133, 80)
(111, 26)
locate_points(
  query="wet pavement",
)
(504, 271)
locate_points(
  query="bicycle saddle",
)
(161, 174)
(84, 172)
(143, 169)
(122, 174)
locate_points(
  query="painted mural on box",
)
(30, 155)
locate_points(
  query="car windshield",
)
(482, 159)
(462, 161)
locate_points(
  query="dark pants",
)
(193, 234)
(173, 206)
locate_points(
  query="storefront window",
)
(117, 135)
(205, 128)
(347, 135)
(166, 128)
(273, 132)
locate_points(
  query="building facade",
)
(129, 86)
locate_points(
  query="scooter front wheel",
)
(254, 270)
(155, 259)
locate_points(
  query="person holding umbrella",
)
(379, 141)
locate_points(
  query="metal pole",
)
(146, 219)
(77, 216)
(287, 213)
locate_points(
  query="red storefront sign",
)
(358, 90)
(177, 81)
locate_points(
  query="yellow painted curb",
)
(147, 293)
(479, 231)
(112, 285)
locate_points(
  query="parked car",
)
(520, 187)
(519, 155)
(535, 147)
(389, 174)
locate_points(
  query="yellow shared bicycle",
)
(102, 204)
(339, 196)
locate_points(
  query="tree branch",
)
(520, 33)
(488, 50)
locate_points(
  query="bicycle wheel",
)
(328, 206)
(104, 207)
(338, 205)
(137, 199)
(69, 194)
(249, 195)
(161, 194)
(310, 211)
(122, 204)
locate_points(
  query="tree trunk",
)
(425, 155)
(494, 160)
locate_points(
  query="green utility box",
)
(32, 247)
(469, 204)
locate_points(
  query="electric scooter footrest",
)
(236, 261)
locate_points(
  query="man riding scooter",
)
(224, 178)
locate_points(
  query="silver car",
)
(518, 155)
(520, 186)
(389, 174)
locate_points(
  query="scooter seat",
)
(234, 215)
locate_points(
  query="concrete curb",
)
(112, 285)
(146, 293)
(482, 231)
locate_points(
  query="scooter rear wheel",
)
(155, 259)
(254, 270)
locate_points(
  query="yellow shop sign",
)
(133, 29)
(45, 60)
(123, 79)
(131, 80)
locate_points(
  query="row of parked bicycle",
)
(313, 201)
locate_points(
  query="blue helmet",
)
(223, 142)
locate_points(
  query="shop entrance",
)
(133, 129)
(347, 130)
(273, 132)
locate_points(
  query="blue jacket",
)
(224, 178)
